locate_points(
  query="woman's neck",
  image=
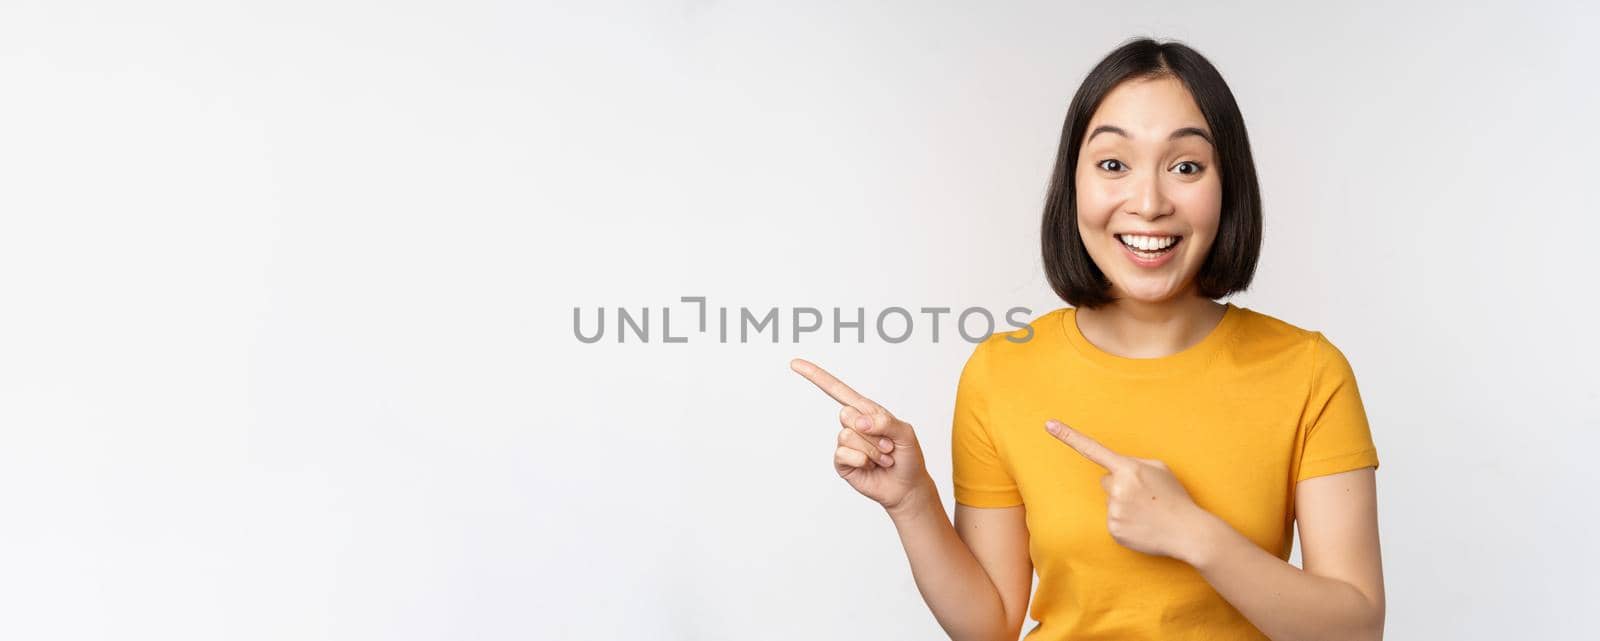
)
(1137, 329)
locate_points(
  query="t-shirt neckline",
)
(1186, 361)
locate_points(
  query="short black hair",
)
(1231, 262)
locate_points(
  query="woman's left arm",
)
(1339, 594)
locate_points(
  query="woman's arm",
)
(1339, 594)
(951, 576)
(976, 581)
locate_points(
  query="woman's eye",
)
(1110, 164)
(1193, 167)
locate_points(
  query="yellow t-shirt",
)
(1239, 418)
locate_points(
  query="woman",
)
(1148, 449)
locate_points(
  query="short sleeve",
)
(1338, 438)
(981, 479)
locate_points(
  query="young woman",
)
(1148, 450)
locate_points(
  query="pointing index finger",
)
(1088, 447)
(832, 386)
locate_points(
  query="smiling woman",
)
(1150, 451)
(1167, 147)
(1208, 425)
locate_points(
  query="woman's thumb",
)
(881, 425)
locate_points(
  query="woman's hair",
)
(1231, 263)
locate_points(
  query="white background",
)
(286, 295)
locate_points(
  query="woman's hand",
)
(1147, 509)
(877, 454)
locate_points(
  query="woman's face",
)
(1147, 175)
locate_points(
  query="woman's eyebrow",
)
(1176, 134)
(1192, 131)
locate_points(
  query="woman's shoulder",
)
(1037, 334)
(1260, 333)
(1022, 344)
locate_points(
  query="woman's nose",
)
(1149, 199)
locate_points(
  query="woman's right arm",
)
(976, 575)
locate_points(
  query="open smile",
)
(1149, 251)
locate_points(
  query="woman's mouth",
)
(1149, 251)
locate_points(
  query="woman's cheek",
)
(1095, 201)
(1204, 201)
(1106, 190)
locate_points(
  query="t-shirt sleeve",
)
(981, 478)
(1338, 438)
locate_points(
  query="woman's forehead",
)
(1149, 109)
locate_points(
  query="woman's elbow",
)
(1372, 619)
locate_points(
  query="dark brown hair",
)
(1231, 262)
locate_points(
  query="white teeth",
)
(1148, 243)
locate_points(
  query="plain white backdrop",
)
(286, 294)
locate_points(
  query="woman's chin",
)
(1149, 295)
